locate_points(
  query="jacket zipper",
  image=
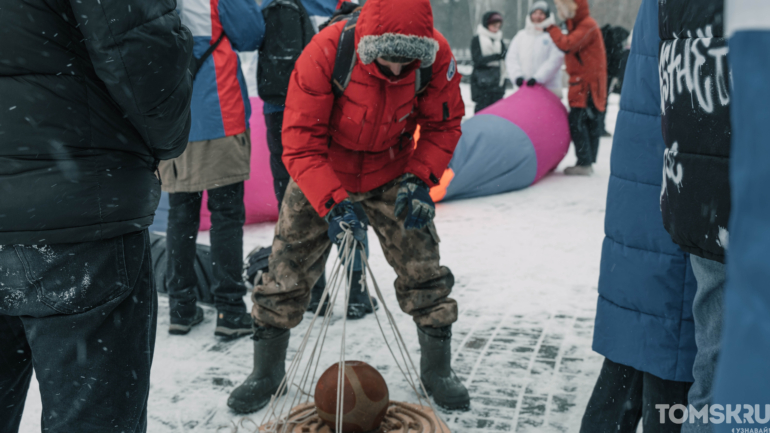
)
(378, 125)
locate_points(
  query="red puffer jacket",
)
(363, 139)
(585, 58)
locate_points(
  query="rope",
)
(276, 418)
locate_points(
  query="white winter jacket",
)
(533, 54)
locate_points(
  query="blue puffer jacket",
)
(742, 376)
(646, 286)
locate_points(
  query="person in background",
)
(742, 373)
(533, 57)
(586, 63)
(488, 53)
(93, 97)
(217, 161)
(695, 196)
(644, 325)
(288, 29)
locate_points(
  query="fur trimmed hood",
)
(396, 28)
(575, 10)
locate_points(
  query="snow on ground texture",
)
(526, 266)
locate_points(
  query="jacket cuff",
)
(336, 197)
(423, 172)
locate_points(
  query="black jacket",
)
(287, 31)
(695, 99)
(485, 78)
(92, 95)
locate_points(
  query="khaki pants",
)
(301, 247)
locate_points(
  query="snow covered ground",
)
(526, 265)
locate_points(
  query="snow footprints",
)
(523, 371)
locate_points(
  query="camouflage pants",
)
(301, 247)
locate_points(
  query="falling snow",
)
(526, 266)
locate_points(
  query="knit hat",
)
(491, 17)
(540, 6)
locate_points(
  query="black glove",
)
(531, 82)
(341, 215)
(519, 81)
(414, 197)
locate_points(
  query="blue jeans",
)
(83, 316)
(708, 310)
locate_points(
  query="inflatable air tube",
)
(258, 196)
(507, 146)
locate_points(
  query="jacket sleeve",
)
(305, 135)
(480, 60)
(512, 59)
(243, 23)
(440, 111)
(551, 66)
(583, 34)
(142, 54)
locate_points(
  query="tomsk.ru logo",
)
(718, 414)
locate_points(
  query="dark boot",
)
(233, 325)
(436, 373)
(358, 304)
(269, 369)
(182, 321)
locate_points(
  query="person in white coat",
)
(533, 57)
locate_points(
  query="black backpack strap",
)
(346, 57)
(207, 53)
(422, 79)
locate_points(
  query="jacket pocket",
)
(348, 120)
(74, 278)
(399, 121)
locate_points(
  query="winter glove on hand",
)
(414, 198)
(343, 214)
(531, 82)
(519, 81)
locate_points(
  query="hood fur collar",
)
(421, 48)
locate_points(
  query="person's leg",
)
(661, 391)
(228, 214)
(423, 285)
(422, 288)
(707, 310)
(15, 368)
(595, 128)
(300, 249)
(92, 332)
(578, 129)
(281, 178)
(183, 224)
(615, 405)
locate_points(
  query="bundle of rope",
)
(295, 412)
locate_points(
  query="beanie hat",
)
(491, 17)
(541, 6)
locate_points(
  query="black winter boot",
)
(358, 304)
(436, 373)
(269, 369)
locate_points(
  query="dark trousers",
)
(228, 215)
(623, 396)
(274, 123)
(488, 97)
(586, 125)
(84, 317)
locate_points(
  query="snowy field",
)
(526, 265)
